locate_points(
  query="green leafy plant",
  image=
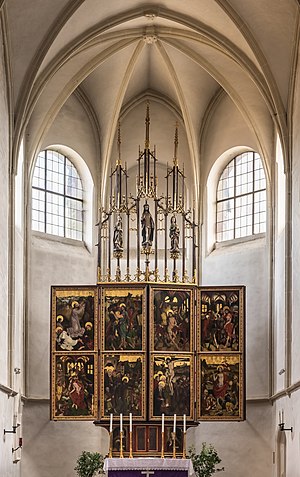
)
(206, 461)
(89, 464)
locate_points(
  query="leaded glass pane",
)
(243, 182)
(57, 196)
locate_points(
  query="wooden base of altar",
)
(149, 467)
(146, 440)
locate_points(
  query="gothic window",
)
(241, 198)
(57, 196)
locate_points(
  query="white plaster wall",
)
(52, 448)
(7, 441)
(4, 211)
(246, 264)
(52, 262)
(295, 234)
(225, 129)
(279, 314)
(73, 128)
(245, 447)
(55, 261)
(290, 406)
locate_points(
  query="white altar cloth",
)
(149, 463)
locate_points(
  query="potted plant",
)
(89, 464)
(206, 461)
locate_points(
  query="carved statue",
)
(174, 234)
(147, 227)
(118, 235)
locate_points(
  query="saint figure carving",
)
(174, 233)
(147, 226)
(118, 235)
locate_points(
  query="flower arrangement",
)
(206, 461)
(89, 464)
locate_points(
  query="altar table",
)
(148, 467)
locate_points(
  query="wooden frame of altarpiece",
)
(148, 349)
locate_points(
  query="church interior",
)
(150, 184)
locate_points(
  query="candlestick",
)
(130, 422)
(110, 444)
(130, 435)
(174, 426)
(184, 437)
(184, 446)
(162, 454)
(174, 444)
(111, 423)
(121, 444)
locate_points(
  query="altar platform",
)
(149, 467)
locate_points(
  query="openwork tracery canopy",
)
(159, 229)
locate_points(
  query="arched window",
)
(57, 196)
(241, 198)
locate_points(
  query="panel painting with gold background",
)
(171, 315)
(74, 319)
(221, 390)
(74, 382)
(172, 386)
(221, 324)
(123, 385)
(74, 337)
(123, 318)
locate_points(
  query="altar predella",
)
(147, 340)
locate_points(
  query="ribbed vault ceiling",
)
(181, 53)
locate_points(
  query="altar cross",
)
(147, 472)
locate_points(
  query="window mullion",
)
(67, 189)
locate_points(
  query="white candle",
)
(279, 417)
(174, 427)
(110, 424)
(184, 423)
(130, 422)
(282, 416)
(162, 423)
(121, 422)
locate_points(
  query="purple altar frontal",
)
(146, 473)
(148, 467)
